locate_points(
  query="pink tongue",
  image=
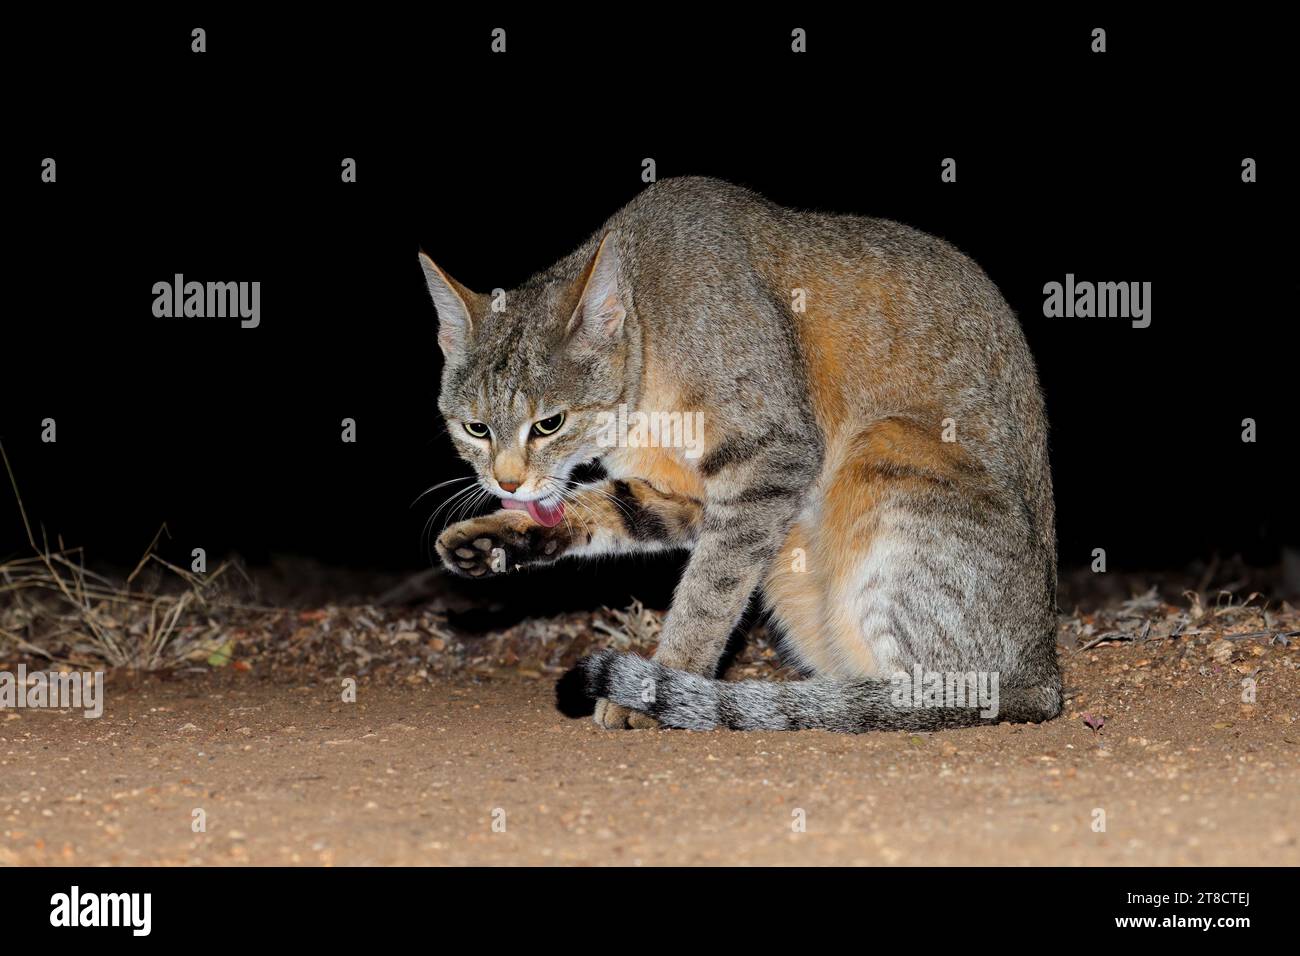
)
(545, 515)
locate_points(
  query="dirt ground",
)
(483, 770)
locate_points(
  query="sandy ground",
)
(462, 771)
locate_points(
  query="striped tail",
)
(691, 702)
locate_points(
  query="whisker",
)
(442, 484)
(446, 504)
(596, 490)
(469, 504)
(568, 495)
(461, 496)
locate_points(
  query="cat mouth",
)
(548, 515)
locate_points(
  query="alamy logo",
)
(208, 300)
(1098, 300)
(103, 909)
(946, 689)
(624, 429)
(53, 690)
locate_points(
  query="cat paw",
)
(499, 542)
(615, 717)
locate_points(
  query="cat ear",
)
(452, 301)
(600, 312)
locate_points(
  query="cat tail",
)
(691, 702)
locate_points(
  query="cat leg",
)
(905, 549)
(499, 542)
(794, 595)
(833, 563)
(627, 516)
(612, 517)
(755, 488)
(631, 516)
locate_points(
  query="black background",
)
(224, 166)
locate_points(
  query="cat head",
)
(532, 374)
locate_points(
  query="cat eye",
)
(478, 429)
(548, 426)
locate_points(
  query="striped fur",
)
(677, 699)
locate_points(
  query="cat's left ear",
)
(455, 325)
(600, 312)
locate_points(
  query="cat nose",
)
(508, 485)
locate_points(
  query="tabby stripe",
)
(758, 493)
(730, 715)
(640, 522)
(734, 539)
(598, 675)
(731, 452)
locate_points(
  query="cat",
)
(874, 458)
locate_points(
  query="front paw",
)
(613, 716)
(500, 542)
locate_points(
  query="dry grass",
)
(636, 626)
(1147, 617)
(161, 616)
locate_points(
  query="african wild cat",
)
(874, 457)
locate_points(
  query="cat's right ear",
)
(455, 325)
